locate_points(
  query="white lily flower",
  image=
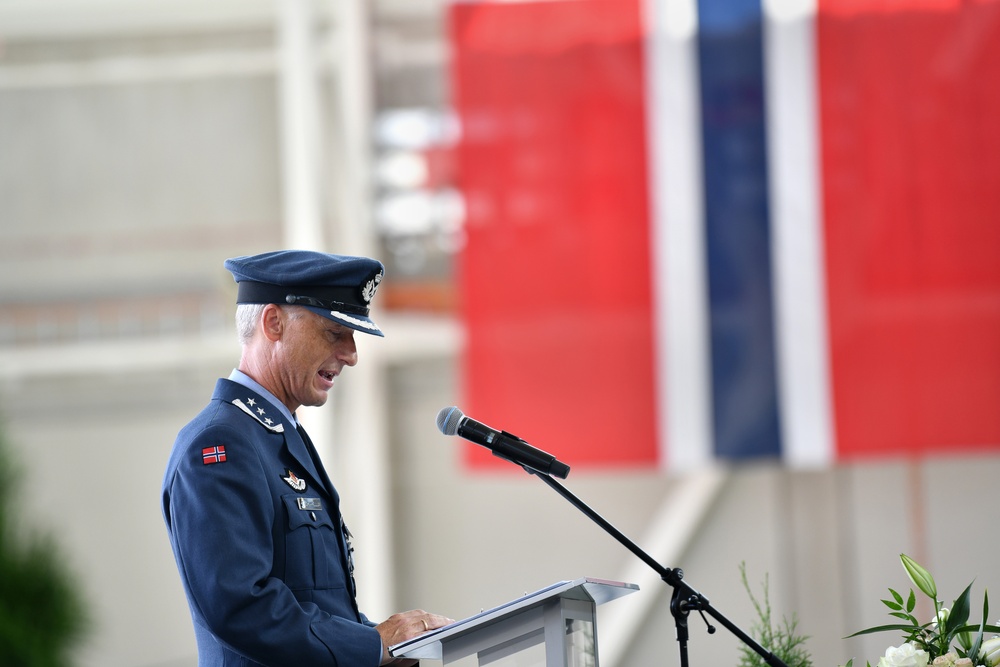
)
(990, 651)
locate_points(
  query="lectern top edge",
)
(587, 588)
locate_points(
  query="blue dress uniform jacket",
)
(262, 550)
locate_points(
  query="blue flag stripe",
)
(737, 226)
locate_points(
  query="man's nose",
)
(349, 353)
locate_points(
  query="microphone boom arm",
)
(684, 599)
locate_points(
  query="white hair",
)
(248, 317)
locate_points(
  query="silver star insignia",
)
(260, 411)
(251, 402)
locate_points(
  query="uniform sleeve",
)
(220, 519)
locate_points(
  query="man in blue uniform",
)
(253, 519)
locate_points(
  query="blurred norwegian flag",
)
(725, 230)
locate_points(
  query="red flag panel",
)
(555, 276)
(911, 182)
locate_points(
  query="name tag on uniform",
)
(309, 503)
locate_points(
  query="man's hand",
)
(406, 625)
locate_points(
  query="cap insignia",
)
(368, 291)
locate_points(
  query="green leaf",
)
(920, 577)
(880, 628)
(959, 611)
(911, 601)
(896, 596)
(892, 605)
(973, 648)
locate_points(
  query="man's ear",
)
(272, 322)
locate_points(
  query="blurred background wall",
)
(735, 263)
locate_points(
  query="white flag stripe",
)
(677, 235)
(797, 233)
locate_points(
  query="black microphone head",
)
(447, 420)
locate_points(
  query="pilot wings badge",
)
(295, 482)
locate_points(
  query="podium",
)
(552, 627)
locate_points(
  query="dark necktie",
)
(316, 461)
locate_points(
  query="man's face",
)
(312, 352)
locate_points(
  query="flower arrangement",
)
(949, 639)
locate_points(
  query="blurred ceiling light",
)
(402, 169)
(419, 213)
(415, 128)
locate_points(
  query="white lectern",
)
(553, 627)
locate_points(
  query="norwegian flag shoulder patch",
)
(215, 454)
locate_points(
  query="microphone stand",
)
(684, 599)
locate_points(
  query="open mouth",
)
(327, 375)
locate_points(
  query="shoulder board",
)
(259, 414)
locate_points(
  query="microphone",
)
(451, 421)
